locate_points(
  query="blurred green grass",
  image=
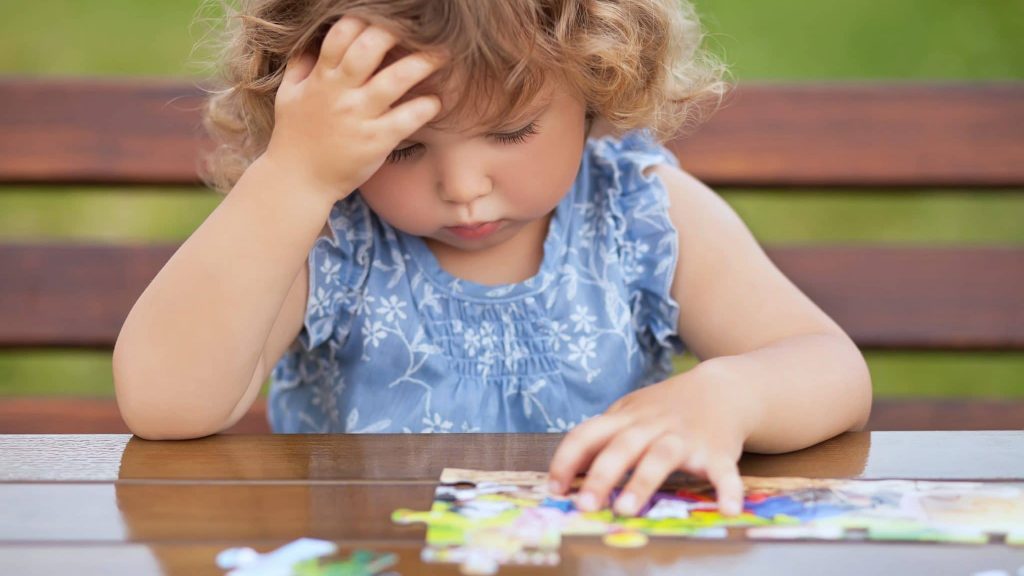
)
(784, 40)
(788, 40)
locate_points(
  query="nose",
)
(464, 192)
(464, 184)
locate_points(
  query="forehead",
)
(469, 104)
(463, 111)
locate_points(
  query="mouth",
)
(475, 230)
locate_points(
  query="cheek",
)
(543, 173)
(393, 195)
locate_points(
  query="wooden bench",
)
(769, 137)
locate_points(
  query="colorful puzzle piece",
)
(483, 519)
(301, 558)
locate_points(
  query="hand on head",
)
(334, 121)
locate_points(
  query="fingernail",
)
(733, 508)
(554, 486)
(626, 504)
(587, 502)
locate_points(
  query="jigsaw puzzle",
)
(484, 519)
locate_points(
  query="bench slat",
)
(909, 135)
(93, 131)
(919, 298)
(73, 131)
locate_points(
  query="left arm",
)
(801, 371)
(777, 374)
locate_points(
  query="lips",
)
(475, 231)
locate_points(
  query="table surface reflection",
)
(116, 504)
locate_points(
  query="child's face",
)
(462, 173)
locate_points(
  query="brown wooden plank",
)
(420, 458)
(915, 298)
(579, 555)
(908, 298)
(863, 135)
(72, 295)
(83, 130)
(153, 512)
(66, 130)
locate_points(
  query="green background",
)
(784, 40)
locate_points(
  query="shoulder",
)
(711, 234)
(696, 210)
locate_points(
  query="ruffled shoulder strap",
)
(339, 265)
(643, 234)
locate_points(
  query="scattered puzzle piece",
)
(360, 563)
(301, 558)
(248, 562)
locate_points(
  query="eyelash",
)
(517, 137)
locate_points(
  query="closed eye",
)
(517, 137)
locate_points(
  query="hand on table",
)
(690, 422)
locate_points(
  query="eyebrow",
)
(529, 111)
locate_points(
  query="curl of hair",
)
(635, 63)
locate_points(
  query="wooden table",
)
(115, 504)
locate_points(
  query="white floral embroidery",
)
(485, 362)
(430, 298)
(436, 424)
(559, 334)
(391, 308)
(365, 304)
(319, 302)
(584, 319)
(471, 341)
(325, 397)
(529, 395)
(373, 333)
(561, 425)
(488, 334)
(331, 271)
(352, 422)
(581, 351)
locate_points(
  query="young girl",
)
(426, 233)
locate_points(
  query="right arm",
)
(197, 346)
(202, 338)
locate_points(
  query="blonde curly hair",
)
(636, 63)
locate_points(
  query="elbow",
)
(151, 420)
(156, 431)
(153, 408)
(150, 424)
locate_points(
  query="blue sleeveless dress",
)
(393, 343)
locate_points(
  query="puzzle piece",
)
(248, 562)
(301, 558)
(360, 563)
